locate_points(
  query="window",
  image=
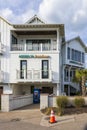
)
(45, 69)
(68, 53)
(76, 55)
(79, 56)
(46, 45)
(83, 59)
(35, 45)
(29, 46)
(14, 40)
(54, 45)
(23, 69)
(73, 53)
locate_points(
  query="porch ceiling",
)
(35, 32)
(35, 83)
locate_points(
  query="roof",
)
(78, 39)
(35, 20)
(5, 20)
(42, 26)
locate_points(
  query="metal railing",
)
(18, 47)
(1, 48)
(28, 47)
(32, 75)
(1, 76)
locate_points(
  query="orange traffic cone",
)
(52, 117)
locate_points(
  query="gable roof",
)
(80, 40)
(5, 20)
(35, 20)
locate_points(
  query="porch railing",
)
(32, 75)
(1, 76)
(28, 47)
(17, 47)
(1, 48)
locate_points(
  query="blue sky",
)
(72, 13)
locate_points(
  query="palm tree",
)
(80, 77)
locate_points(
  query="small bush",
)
(79, 102)
(47, 111)
(62, 102)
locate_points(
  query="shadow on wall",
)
(85, 128)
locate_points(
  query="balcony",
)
(17, 47)
(1, 76)
(34, 47)
(1, 48)
(33, 76)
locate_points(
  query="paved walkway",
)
(31, 114)
(73, 122)
(30, 107)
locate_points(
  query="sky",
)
(72, 13)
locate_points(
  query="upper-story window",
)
(35, 45)
(14, 40)
(46, 45)
(75, 55)
(83, 58)
(68, 53)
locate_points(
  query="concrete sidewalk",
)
(35, 117)
(74, 122)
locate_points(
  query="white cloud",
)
(6, 13)
(70, 12)
(14, 18)
(73, 13)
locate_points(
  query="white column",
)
(7, 89)
(41, 47)
(58, 89)
(55, 90)
(25, 46)
(58, 42)
(24, 74)
(69, 76)
(63, 73)
(59, 64)
(43, 101)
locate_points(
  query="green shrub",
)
(61, 102)
(47, 111)
(79, 102)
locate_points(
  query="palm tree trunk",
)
(83, 86)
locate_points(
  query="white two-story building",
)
(35, 55)
(30, 56)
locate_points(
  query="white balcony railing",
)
(37, 47)
(17, 47)
(1, 48)
(32, 76)
(1, 76)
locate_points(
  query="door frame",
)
(45, 77)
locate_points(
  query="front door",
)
(45, 70)
(23, 69)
